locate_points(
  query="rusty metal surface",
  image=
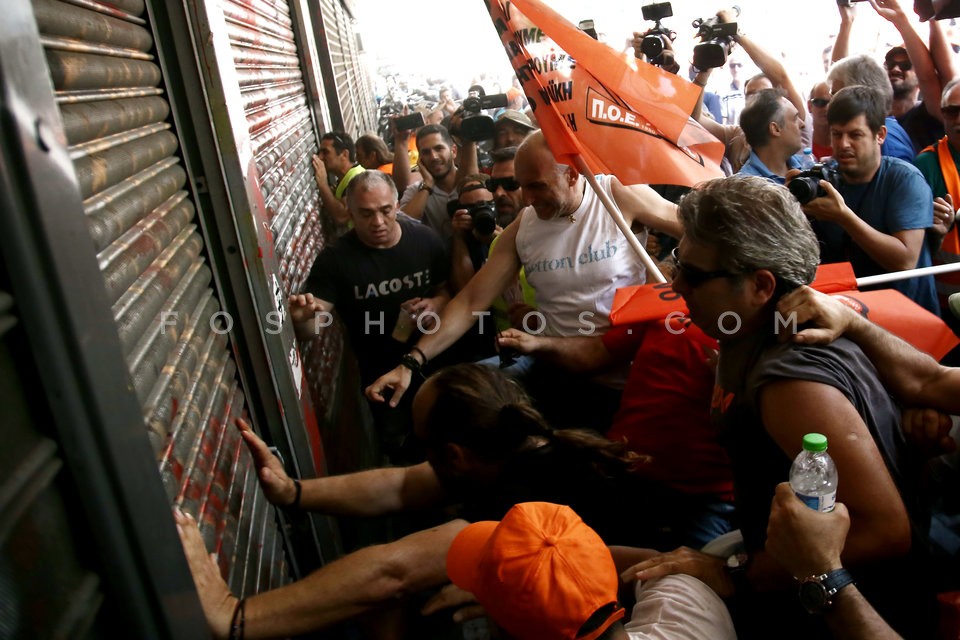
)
(142, 220)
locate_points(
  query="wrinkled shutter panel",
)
(357, 105)
(281, 130)
(109, 88)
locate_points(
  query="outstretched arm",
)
(458, 316)
(338, 591)
(365, 493)
(575, 353)
(775, 71)
(841, 47)
(930, 86)
(641, 204)
(910, 375)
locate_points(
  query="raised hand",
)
(215, 597)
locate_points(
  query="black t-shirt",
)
(759, 464)
(922, 127)
(367, 286)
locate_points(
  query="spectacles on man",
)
(695, 277)
(508, 184)
(950, 110)
(820, 102)
(905, 65)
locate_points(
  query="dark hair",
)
(503, 154)
(341, 141)
(850, 102)
(479, 179)
(370, 143)
(366, 180)
(430, 129)
(764, 107)
(483, 410)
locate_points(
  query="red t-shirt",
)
(665, 408)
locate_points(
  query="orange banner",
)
(623, 116)
(887, 307)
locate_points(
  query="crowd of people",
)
(562, 457)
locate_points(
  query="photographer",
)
(876, 215)
(772, 71)
(474, 228)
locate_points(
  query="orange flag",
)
(623, 116)
(888, 308)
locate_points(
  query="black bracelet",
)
(411, 363)
(236, 623)
(296, 497)
(422, 355)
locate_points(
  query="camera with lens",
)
(655, 40)
(474, 125)
(805, 186)
(484, 217)
(483, 214)
(716, 40)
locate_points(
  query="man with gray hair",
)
(774, 129)
(863, 69)
(747, 242)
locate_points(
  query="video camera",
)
(474, 125)
(655, 41)
(716, 40)
(805, 186)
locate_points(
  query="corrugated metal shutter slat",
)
(141, 219)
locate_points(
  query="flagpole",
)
(894, 276)
(653, 273)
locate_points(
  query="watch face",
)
(813, 596)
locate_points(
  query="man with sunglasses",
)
(504, 186)
(939, 164)
(820, 138)
(746, 242)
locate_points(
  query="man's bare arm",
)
(912, 376)
(639, 203)
(575, 353)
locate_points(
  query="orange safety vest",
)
(947, 283)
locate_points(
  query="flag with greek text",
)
(623, 116)
(888, 308)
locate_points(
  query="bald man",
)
(573, 253)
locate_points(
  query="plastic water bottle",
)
(806, 159)
(813, 475)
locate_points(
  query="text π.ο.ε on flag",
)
(623, 116)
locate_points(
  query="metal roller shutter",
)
(110, 93)
(353, 86)
(281, 130)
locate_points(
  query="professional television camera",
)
(474, 125)
(655, 40)
(716, 40)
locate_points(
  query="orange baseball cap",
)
(540, 573)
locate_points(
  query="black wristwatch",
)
(817, 592)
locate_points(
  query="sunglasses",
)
(820, 102)
(905, 65)
(695, 277)
(950, 110)
(508, 184)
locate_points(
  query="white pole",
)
(884, 278)
(653, 273)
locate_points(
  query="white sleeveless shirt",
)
(577, 266)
